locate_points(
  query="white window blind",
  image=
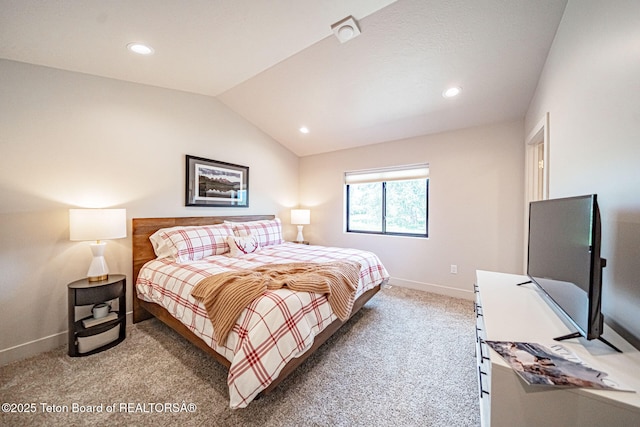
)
(398, 173)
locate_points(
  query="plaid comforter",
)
(273, 329)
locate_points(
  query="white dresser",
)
(507, 312)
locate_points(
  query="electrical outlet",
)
(454, 269)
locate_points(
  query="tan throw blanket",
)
(225, 295)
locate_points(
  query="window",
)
(388, 201)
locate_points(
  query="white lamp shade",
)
(97, 224)
(300, 216)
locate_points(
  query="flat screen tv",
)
(564, 260)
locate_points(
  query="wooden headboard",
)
(142, 228)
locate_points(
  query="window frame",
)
(383, 218)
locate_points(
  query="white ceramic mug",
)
(100, 310)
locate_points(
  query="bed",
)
(276, 332)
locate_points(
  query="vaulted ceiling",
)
(278, 64)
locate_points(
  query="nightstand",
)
(306, 242)
(90, 339)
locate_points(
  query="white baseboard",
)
(436, 289)
(41, 345)
(32, 348)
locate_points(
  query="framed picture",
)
(214, 183)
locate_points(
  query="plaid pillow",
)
(184, 244)
(268, 231)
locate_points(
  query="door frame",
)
(536, 184)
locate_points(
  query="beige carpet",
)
(406, 359)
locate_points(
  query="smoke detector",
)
(346, 29)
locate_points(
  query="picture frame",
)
(214, 183)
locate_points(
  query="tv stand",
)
(508, 313)
(579, 335)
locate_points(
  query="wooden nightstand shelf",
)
(84, 341)
(306, 242)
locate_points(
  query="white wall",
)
(591, 88)
(475, 205)
(74, 140)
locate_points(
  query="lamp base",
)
(98, 270)
(300, 237)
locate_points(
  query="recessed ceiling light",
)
(304, 129)
(451, 92)
(140, 49)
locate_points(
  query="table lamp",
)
(300, 217)
(97, 225)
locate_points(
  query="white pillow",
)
(239, 245)
(191, 243)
